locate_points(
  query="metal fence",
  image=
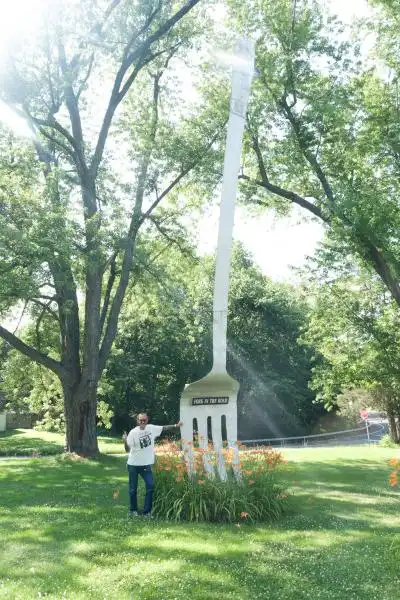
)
(370, 433)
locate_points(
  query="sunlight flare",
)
(19, 19)
(14, 122)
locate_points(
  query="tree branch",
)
(68, 151)
(86, 78)
(96, 30)
(32, 353)
(143, 29)
(112, 322)
(110, 284)
(116, 96)
(21, 317)
(46, 306)
(140, 66)
(371, 252)
(275, 189)
(380, 265)
(45, 297)
(260, 160)
(165, 233)
(179, 177)
(289, 195)
(310, 158)
(113, 5)
(37, 327)
(73, 108)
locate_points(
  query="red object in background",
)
(364, 414)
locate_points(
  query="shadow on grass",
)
(65, 522)
(138, 560)
(13, 442)
(10, 433)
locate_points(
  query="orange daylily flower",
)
(244, 515)
(394, 462)
(201, 481)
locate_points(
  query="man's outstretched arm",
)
(169, 427)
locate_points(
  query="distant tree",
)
(351, 401)
(354, 326)
(165, 342)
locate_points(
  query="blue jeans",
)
(147, 475)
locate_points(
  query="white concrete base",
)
(210, 399)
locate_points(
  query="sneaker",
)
(148, 516)
(132, 514)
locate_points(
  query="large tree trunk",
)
(80, 403)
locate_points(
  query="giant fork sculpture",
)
(213, 399)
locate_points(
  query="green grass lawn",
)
(65, 534)
(25, 442)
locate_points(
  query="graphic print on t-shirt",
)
(145, 441)
(141, 443)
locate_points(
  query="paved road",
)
(377, 429)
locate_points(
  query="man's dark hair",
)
(142, 414)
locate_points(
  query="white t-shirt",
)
(141, 443)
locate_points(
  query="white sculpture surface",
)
(214, 397)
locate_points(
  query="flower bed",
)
(195, 496)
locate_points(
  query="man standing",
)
(140, 445)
